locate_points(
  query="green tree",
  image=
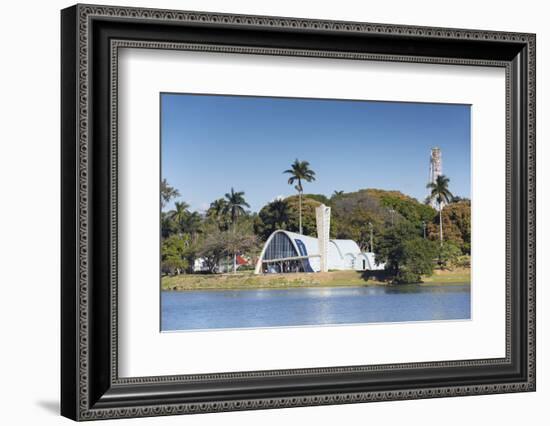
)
(219, 245)
(318, 197)
(418, 255)
(456, 218)
(448, 255)
(235, 208)
(353, 211)
(176, 254)
(460, 216)
(239, 243)
(309, 224)
(167, 193)
(235, 204)
(179, 214)
(300, 172)
(213, 249)
(184, 221)
(274, 215)
(407, 207)
(192, 224)
(441, 194)
(354, 225)
(167, 225)
(406, 255)
(216, 211)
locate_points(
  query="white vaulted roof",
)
(347, 246)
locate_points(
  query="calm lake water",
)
(196, 310)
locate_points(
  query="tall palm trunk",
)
(234, 253)
(440, 225)
(300, 210)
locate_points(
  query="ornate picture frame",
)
(90, 39)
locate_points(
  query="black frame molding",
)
(91, 37)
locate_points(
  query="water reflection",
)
(193, 310)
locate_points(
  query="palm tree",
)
(216, 207)
(299, 171)
(180, 214)
(279, 213)
(167, 193)
(216, 211)
(235, 204)
(337, 193)
(192, 224)
(441, 194)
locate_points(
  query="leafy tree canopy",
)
(318, 197)
(177, 254)
(219, 245)
(457, 224)
(406, 255)
(391, 220)
(448, 255)
(407, 207)
(274, 215)
(309, 224)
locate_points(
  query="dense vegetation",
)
(410, 237)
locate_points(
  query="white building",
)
(286, 251)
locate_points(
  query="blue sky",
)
(212, 143)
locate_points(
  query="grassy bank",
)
(247, 280)
(455, 276)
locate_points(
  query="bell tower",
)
(322, 216)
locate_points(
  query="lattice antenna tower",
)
(436, 167)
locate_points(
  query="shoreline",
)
(434, 284)
(334, 279)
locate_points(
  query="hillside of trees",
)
(404, 233)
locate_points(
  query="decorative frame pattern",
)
(87, 403)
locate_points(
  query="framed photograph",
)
(263, 212)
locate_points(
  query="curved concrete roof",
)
(309, 247)
(347, 246)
